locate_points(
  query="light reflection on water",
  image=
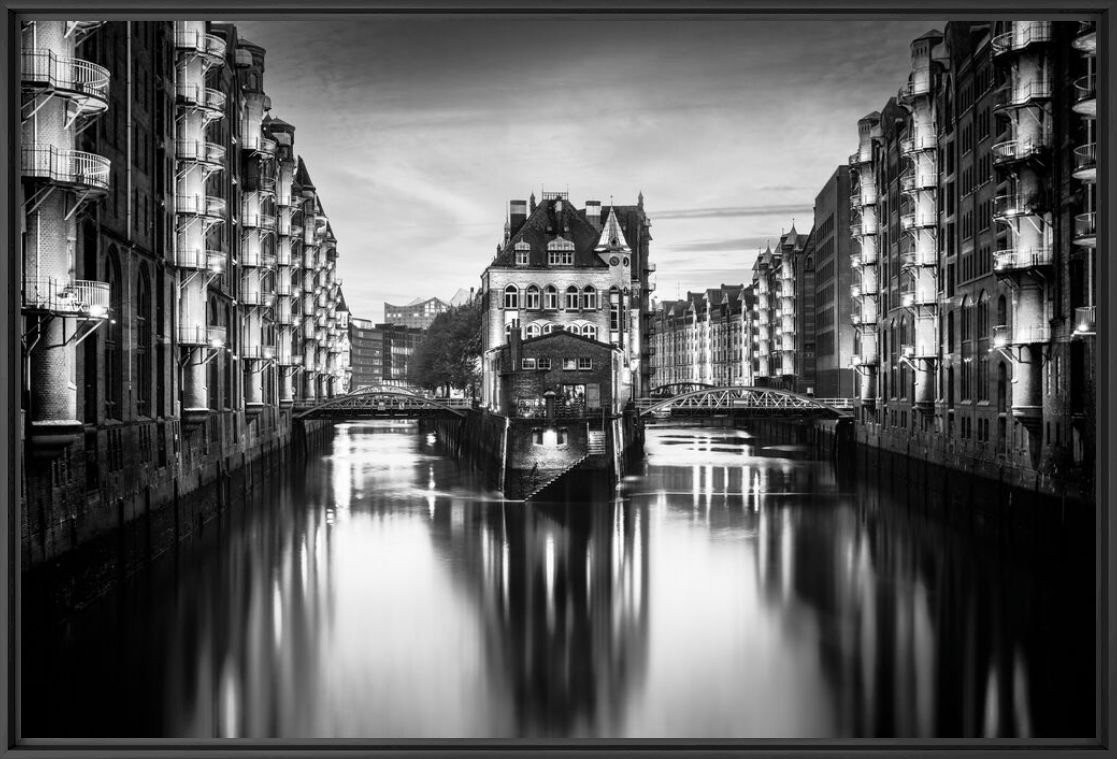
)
(735, 589)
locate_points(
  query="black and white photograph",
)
(557, 377)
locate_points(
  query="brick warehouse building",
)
(974, 255)
(705, 337)
(179, 290)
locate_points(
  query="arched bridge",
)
(677, 388)
(381, 403)
(758, 402)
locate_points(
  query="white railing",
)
(70, 74)
(67, 166)
(1085, 320)
(196, 258)
(1023, 258)
(1019, 38)
(197, 334)
(74, 297)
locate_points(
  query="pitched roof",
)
(612, 236)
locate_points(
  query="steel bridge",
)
(382, 403)
(677, 388)
(751, 402)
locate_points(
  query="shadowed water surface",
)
(730, 588)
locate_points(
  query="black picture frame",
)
(1105, 12)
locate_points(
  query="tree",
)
(449, 354)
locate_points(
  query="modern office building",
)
(179, 289)
(832, 329)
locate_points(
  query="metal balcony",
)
(78, 298)
(197, 259)
(258, 352)
(919, 83)
(1086, 230)
(1021, 38)
(913, 181)
(862, 318)
(1085, 324)
(267, 146)
(1086, 162)
(912, 256)
(910, 144)
(857, 158)
(197, 335)
(855, 290)
(1022, 259)
(862, 359)
(1086, 38)
(268, 260)
(1021, 334)
(1086, 98)
(200, 151)
(209, 206)
(1014, 151)
(909, 221)
(84, 82)
(72, 168)
(195, 41)
(1007, 207)
(1022, 94)
(918, 351)
(918, 298)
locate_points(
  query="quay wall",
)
(128, 494)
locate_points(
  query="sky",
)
(418, 130)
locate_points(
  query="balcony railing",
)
(196, 334)
(916, 221)
(258, 352)
(910, 144)
(1020, 259)
(862, 317)
(214, 100)
(1021, 94)
(864, 359)
(1085, 88)
(1013, 205)
(203, 260)
(1086, 38)
(913, 255)
(857, 158)
(1085, 320)
(81, 298)
(1085, 229)
(910, 181)
(1018, 39)
(1027, 334)
(70, 167)
(1011, 151)
(914, 298)
(193, 39)
(200, 151)
(267, 146)
(918, 84)
(1086, 161)
(917, 351)
(73, 75)
(200, 205)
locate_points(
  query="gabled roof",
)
(302, 176)
(546, 223)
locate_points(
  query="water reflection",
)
(733, 589)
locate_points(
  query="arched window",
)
(511, 297)
(145, 353)
(531, 298)
(114, 338)
(550, 298)
(533, 329)
(590, 331)
(1002, 312)
(572, 298)
(549, 327)
(983, 315)
(589, 298)
(983, 334)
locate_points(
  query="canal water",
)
(729, 588)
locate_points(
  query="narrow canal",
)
(732, 588)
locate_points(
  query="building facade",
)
(178, 280)
(559, 268)
(973, 254)
(417, 314)
(833, 330)
(381, 354)
(704, 338)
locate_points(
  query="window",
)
(550, 298)
(562, 436)
(537, 436)
(511, 297)
(560, 252)
(523, 253)
(543, 363)
(531, 298)
(590, 331)
(589, 298)
(533, 330)
(572, 294)
(570, 364)
(585, 364)
(614, 316)
(527, 363)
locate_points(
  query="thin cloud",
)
(730, 211)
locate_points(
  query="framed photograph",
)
(412, 379)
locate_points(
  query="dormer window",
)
(560, 252)
(523, 253)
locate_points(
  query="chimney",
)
(593, 213)
(517, 215)
(514, 345)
